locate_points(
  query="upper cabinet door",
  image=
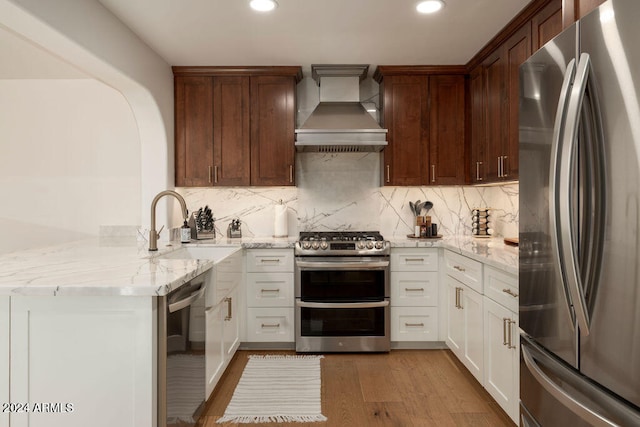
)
(406, 117)
(494, 112)
(546, 24)
(193, 131)
(273, 100)
(476, 96)
(446, 130)
(231, 131)
(517, 51)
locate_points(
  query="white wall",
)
(69, 163)
(89, 37)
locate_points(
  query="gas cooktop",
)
(352, 243)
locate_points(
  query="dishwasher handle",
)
(187, 301)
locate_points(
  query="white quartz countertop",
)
(124, 266)
(492, 251)
(106, 266)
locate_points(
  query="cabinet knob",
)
(433, 173)
(388, 173)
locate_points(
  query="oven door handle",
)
(304, 304)
(343, 265)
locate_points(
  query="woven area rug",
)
(277, 389)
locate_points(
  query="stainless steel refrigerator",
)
(580, 224)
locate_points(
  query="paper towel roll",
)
(280, 224)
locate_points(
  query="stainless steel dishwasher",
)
(181, 357)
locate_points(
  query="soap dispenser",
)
(185, 233)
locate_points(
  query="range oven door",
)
(342, 304)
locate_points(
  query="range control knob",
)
(315, 245)
(369, 245)
(360, 245)
(379, 244)
(323, 245)
(306, 245)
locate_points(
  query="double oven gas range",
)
(342, 292)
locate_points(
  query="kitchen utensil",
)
(427, 205)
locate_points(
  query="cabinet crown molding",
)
(416, 70)
(212, 71)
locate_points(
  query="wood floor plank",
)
(407, 388)
(376, 379)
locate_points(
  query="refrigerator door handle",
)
(534, 357)
(554, 193)
(566, 170)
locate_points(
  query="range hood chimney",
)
(340, 124)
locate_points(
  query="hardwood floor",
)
(413, 388)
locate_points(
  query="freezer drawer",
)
(554, 394)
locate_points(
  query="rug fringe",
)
(286, 356)
(248, 419)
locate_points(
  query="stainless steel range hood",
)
(340, 124)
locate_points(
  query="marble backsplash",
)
(343, 192)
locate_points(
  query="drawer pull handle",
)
(510, 292)
(414, 289)
(415, 325)
(414, 259)
(270, 290)
(269, 325)
(457, 267)
(270, 260)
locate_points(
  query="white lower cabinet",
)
(223, 318)
(82, 361)
(4, 357)
(223, 338)
(269, 297)
(214, 359)
(502, 340)
(501, 356)
(464, 325)
(414, 294)
(482, 326)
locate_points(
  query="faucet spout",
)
(153, 234)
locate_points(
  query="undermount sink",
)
(199, 252)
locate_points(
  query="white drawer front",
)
(270, 289)
(270, 324)
(414, 324)
(501, 287)
(412, 259)
(418, 288)
(466, 270)
(264, 260)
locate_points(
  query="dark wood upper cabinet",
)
(572, 10)
(405, 115)
(494, 71)
(273, 109)
(193, 131)
(235, 126)
(446, 130)
(231, 131)
(517, 51)
(477, 123)
(546, 24)
(425, 117)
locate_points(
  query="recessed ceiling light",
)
(263, 5)
(429, 6)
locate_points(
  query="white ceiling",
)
(303, 32)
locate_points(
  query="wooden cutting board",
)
(513, 241)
